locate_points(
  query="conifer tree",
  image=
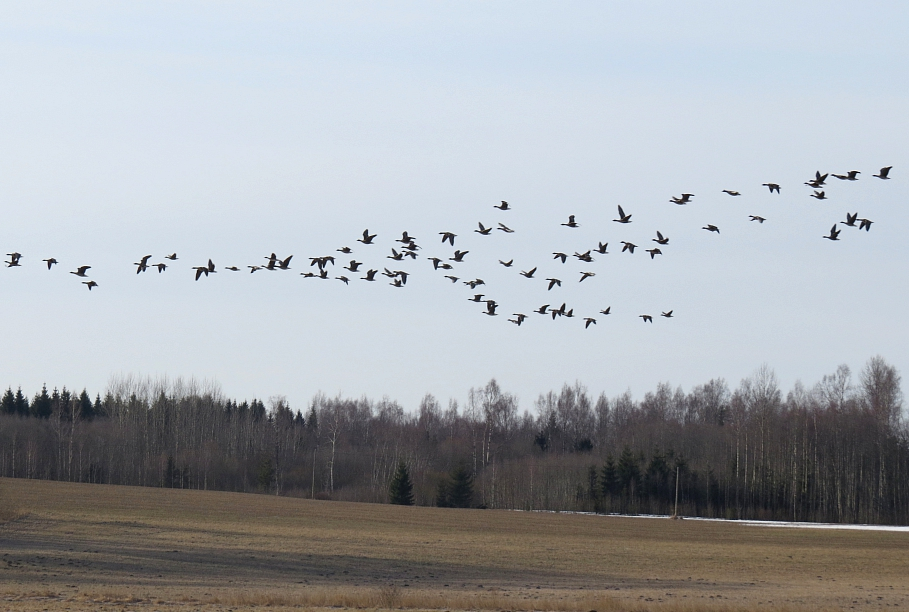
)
(461, 491)
(401, 490)
(8, 403)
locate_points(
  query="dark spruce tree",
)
(401, 490)
(460, 492)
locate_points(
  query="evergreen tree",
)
(21, 403)
(401, 490)
(8, 403)
(86, 410)
(628, 471)
(41, 406)
(443, 494)
(610, 478)
(461, 491)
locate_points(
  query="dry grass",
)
(79, 546)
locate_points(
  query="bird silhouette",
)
(142, 264)
(453, 279)
(172, 257)
(542, 309)
(505, 228)
(685, 198)
(476, 298)
(14, 259)
(458, 256)
(90, 284)
(370, 275)
(601, 248)
(367, 237)
(588, 321)
(852, 175)
(353, 266)
(345, 250)
(623, 218)
(343, 279)
(231, 268)
(503, 206)
(284, 264)
(561, 256)
(405, 238)
(757, 218)
(654, 252)
(586, 275)
(660, 239)
(884, 173)
(50, 262)
(448, 236)
(834, 233)
(819, 195)
(161, 267)
(731, 192)
(647, 318)
(80, 271)
(571, 222)
(772, 187)
(606, 312)
(850, 220)
(507, 264)
(711, 228)
(865, 224)
(668, 314)
(628, 246)
(553, 282)
(483, 231)
(491, 308)
(519, 318)
(395, 255)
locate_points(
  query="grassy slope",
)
(74, 545)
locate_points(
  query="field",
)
(86, 547)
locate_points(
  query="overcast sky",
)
(233, 130)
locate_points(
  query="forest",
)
(837, 451)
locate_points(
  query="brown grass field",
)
(95, 547)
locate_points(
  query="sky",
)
(232, 130)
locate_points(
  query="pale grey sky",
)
(232, 130)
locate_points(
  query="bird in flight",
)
(668, 315)
(757, 218)
(142, 264)
(508, 263)
(586, 275)
(571, 222)
(883, 174)
(353, 266)
(685, 198)
(553, 282)
(865, 224)
(654, 252)
(14, 259)
(647, 318)
(601, 248)
(852, 175)
(660, 239)
(850, 220)
(491, 308)
(346, 250)
(284, 264)
(588, 321)
(585, 256)
(343, 279)
(711, 228)
(628, 246)
(818, 195)
(367, 237)
(834, 233)
(606, 312)
(731, 192)
(370, 275)
(519, 318)
(448, 236)
(453, 279)
(561, 256)
(483, 231)
(504, 228)
(90, 284)
(772, 187)
(623, 218)
(458, 256)
(163, 266)
(172, 257)
(80, 271)
(503, 206)
(542, 309)
(50, 262)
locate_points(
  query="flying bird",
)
(50, 262)
(80, 271)
(629, 246)
(519, 318)
(505, 228)
(172, 257)
(711, 228)
(852, 175)
(731, 192)
(772, 187)
(865, 224)
(586, 275)
(818, 195)
(561, 256)
(588, 321)
(367, 237)
(370, 275)
(834, 233)
(654, 252)
(508, 263)
(483, 231)
(601, 248)
(606, 312)
(142, 264)
(453, 279)
(850, 220)
(458, 256)
(660, 239)
(503, 206)
(883, 174)
(623, 218)
(353, 266)
(553, 282)
(345, 250)
(571, 222)
(542, 309)
(647, 318)
(161, 267)
(90, 284)
(685, 198)
(757, 218)
(668, 315)
(448, 236)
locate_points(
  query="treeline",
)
(837, 451)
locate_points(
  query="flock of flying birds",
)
(408, 249)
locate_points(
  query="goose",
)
(211, 267)
(711, 228)
(308, 274)
(473, 284)
(491, 308)
(503, 206)
(90, 284)
(865, 224)
(623, 218)
(370, 275)
(668, 314)
(654, 252)
(601, 248)
(757, 218)
(606, 312)
(850, 220)
(453, 279)
(772, 187)
(519, 318)
(346, 250)
(542, 309)
(353, 266)
(142, 264)
(647, 318)
(588, 321)
(458, 256)
(586, 275)
(80, 271)
(231, 268)
(476, 298)
(272, 261)
(483, 231)
(397, 283)
(685, 198)
(660, 239)
(852, 175)
(561, 256)
(585, 256)
(834, 233)
(628, 246)
(323, 274)
(553, 282)
(284, 264)
(448, 236)
(343, 279)
(571, 222)
(14, 259)
(435, 262)
(883, 174)
(505, 228)
(405, 238)
(731, 192)
(446, 266)
(172, 257)
(367, 237)
(402, 275)
(388, 273)
(50, 262)
(253, 268)
(819, 195)
(507, 264)
(200, 270)
(395, 256)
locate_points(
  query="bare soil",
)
(77, 547)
